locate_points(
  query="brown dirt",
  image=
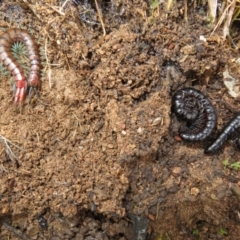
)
(95, 154)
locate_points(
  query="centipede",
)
(195, 108)
(232, 126)
(23, 83)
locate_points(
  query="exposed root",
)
(100, 18)
(9, 150)
(15, 231)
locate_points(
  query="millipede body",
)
(225, 134)
(192, 106)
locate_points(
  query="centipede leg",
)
(6, 41)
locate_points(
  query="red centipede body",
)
(6, 40)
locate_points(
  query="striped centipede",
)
(22, 84)
(191, 105)
(225, 134)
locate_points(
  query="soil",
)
(96, 156)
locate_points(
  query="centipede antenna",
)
(36, 92)
(14, 88)
(29, 95)
(21, 108)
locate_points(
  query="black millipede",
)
(225, 134)
(194, 107)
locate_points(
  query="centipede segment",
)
(225, 134)
(22, 83)
(192, 106)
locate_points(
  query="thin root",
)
(100, 18)
(9, 150)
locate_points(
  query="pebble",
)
(157, 121)
(173, 189)
(194, 191)
(236, 190)
(177, 170)
(140, 130)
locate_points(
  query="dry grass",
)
(8, 148)
(229, 11)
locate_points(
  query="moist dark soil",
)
(97, 154)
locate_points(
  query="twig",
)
(64, 5)
(100, 18)
(9, 151)
(222, 17)
(169, 4)
(60, 9)
(15, 231)
(48, 65)
(228, 20)
(212, 6)
(55, 9)
(32, 9)
(185, 11)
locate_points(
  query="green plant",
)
(222, 231)
(154, 4)
(235, 165)
(225, 163)
(154, 10)
(195, 232)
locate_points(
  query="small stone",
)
(140, 130)
(177, 170)
(171, 46)
(117, 46)
(173, 189)
(213, 196)
(151, 217)
(194, 191)
(236, 190)
(178, 138)
(124, 132)
(157, 121)
(188, 50)
(32, 232)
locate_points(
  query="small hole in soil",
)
(89, 55)
(201, 222)
(192, 75)
(168, 62)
